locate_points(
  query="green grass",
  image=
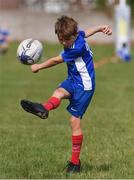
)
(35, 148)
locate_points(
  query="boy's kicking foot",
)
(34, 108)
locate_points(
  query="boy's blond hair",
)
(66, 27)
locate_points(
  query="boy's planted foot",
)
(73, 168)
(34, 108)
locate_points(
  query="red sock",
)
(76, 148)
(52, 103)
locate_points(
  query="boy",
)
(4, 40)
(78, 87)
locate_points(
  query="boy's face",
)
(67, 43)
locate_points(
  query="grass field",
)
(33, 148)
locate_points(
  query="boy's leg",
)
(74, 164)
(42, 110)
(56, 98)
(77, 138)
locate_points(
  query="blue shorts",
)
(79, 100)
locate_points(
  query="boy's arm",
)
(46, 64)
(103, 28)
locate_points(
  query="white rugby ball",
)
(29, 51)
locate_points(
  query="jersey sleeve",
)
(71, 54)
(82, 33)
(77, 51)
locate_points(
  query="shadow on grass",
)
(101, 167)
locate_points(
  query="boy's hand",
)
(34, 68)
(106, 29)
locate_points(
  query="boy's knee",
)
(61, 93)
(58, 93)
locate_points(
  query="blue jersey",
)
(3, 36)
(79, 59)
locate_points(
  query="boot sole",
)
(28, 106)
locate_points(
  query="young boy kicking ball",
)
(78, 87)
